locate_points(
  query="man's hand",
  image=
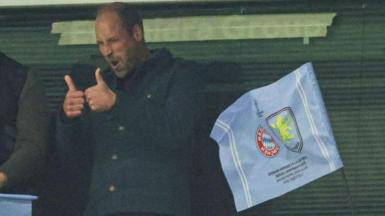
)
(100, 97)
(74, 100)
(3, 179)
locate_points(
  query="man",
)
(24, 123)
(140, 120)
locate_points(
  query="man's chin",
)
(119, 73)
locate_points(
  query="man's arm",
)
(73, 145)
(32, 123)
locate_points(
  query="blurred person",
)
(24, 124)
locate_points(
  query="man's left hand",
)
(100, 97)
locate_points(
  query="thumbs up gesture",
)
(100, 97)
(74, 100)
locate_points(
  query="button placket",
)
(121, 128)
(111, 188)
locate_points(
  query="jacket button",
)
(111, 188)
(149, 96)
(114, 157)
(121, 128)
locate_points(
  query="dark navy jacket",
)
(141, 149)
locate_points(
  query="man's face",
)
(118, 46)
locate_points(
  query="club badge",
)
(284, 125)
(266, 143)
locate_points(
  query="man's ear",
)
(137, 32)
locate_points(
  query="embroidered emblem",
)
(266, 143)
(284, 126)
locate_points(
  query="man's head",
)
(119, 34)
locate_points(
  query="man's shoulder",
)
(187, 64)
(187, 71)
(12, 79)
(210, 71)
(8, 64)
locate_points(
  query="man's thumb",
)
(70, 84)
(99, 77)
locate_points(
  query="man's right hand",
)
(3, 179)
(74, 100)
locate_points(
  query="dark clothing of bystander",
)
(24, 122)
